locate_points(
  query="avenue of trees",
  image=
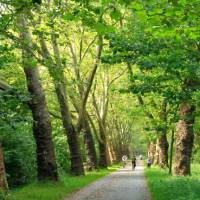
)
(84, 82)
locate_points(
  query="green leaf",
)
(68, 16)
(136, 6)
(116, 15)
(100, 28)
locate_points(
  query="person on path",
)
(140, 157)
(124, 159)
(149, 162)
(133, 162)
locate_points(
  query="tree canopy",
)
(84, 82)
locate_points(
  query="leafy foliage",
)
(151, 54)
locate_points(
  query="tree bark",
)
(102, 156)
(72, 136)
(101, 139)
(163, 143)
(163, 151)
(103, 151)
(151, 150)
(102, 146)
(89, 145)
(171, 152)
(184, 139)
(103, 161)
(42, 130)
(91, 156)
(3, 179)
(112, 153)
(157, 153)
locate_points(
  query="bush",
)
(19, 153)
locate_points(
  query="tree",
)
(157, 45)
(47, 169)
(162, 142)
(84, 86)
(3, 180)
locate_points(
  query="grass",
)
(57, 191)
(165, 187)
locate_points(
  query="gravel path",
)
(124, 184)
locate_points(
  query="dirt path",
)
(124, 184)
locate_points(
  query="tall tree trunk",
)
(157, 153)
(112, 154)
(114, 149)
(184, 139)
(47, 169)
(163, 150)
(171, 152)
(163, 143)
(120, 145)
(108, 154)
(46, 163)
(85, 94)
(89, 145)
(101, 139)
(103, 150)
(102, 146)
(59, 83)
(103, 157)
(83, 122)
(151, 150)
(3, 180)
(72, 136)
(91, 156)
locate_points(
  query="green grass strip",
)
(165, 187)
(57, 191)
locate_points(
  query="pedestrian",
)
(124, 159)
(133, 162)
(149, 162)
(140, 157)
